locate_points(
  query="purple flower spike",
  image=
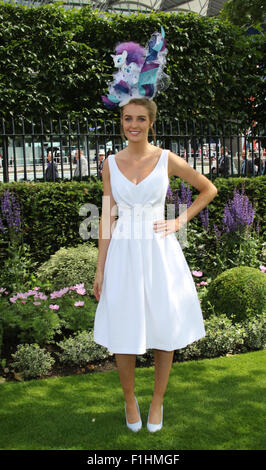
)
(10, 212)
(185, 195)
(204, 214)
(238, 213)
(169, 194)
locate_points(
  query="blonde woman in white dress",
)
(146, 293)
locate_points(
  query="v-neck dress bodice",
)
(148, 299)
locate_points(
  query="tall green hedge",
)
(56, 61)
(50, 211)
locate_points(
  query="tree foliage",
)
(56, 61)
(244, 13)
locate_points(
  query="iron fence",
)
(63, 150)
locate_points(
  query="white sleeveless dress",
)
(148, 299)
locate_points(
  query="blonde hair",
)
(151, 107)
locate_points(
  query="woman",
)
(147, 297)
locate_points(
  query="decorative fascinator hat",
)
(140, 71)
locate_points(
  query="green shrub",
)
(25, 322)
(31, 361)
(35, 317)
(76, 318)
(70, 266)
(81, 349)
(239, 293)
(225, 337)
(222, 337)
(1, 336)
(255, 333)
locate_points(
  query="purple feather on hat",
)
(122, 86)
(135, 52)
(109, 104)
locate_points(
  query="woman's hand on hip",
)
(166, 226)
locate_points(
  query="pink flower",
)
(23, 301)
(81, 291)
(56, 294)
(37, 303)
(79, 288)
(20, 295)
(263, 268)
(202, 283)
(79, 285)
(31, 292)
(59, 293)
(42, 296)
(197, 273)
(79, 303)
(54, 307)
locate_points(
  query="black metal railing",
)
(63, 150)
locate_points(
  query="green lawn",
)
(216, 404)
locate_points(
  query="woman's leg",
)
(126, 369)
(163, 363)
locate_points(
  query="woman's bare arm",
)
(179, 167)
(108, 217)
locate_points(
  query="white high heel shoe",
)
(134, 426)
(155, 427)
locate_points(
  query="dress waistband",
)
(137, 221)
(140, 211)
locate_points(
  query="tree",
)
(244, 13)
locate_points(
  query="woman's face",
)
(136, 122)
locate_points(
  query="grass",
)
(210, 404)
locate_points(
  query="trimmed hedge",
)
(239, 293)
(58, 60)
(50, 213)
(51, 217)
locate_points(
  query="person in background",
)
(101, 160)
(246, 166)
(82, 164)
(224, 162)
(51, 173)
(261, 163)
(213, 165)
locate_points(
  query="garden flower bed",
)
(47, 330)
